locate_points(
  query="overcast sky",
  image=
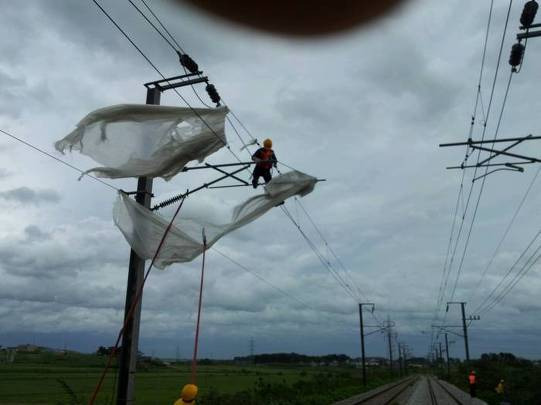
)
(366, 110)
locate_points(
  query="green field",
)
(51, 378)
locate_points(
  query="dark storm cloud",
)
(365, 111)
(27, 196)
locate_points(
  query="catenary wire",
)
(346, 287)
(478, 99)
(483, 182)
(260, 277)
(489, 107)
(506, 232)
(58, 159)
(513, 282)
(491, 296)
(331, 250)
(185, 101)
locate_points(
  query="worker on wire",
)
(187, 395)
(265, 159)
(472, 380)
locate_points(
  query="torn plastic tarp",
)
(133, 140)
(143, 229)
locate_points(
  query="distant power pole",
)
(252, 345)
(465, 325)
(447, 355)
(400, 359)
(405, 353)
(389, 338)
(441, 355)
(363, 358)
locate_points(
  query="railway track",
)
(385, 396)
(436, 399)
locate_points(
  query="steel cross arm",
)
(236, 185)
(224, 172)
(506, 153)
(374, 331)
(205, 185)
(504, 150)
(471, 142)
(166, 84)
(528, 35)
(490, 165)
(530, 27)
(450, 331)
(206, 166)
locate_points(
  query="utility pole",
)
(464, 327)
(405, 353)
(389, 338)
(252, 358)
(465, 331)
(447, 355)
(441, 355)
(130, 336)
(400, 359)
(136, 272)
(363, 357)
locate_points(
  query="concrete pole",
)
(447, 355)
(130, 338)
(465, 330)
(389, 337)
(363, 359)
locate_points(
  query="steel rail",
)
(403, 386)
(446, 390)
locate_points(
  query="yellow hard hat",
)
(267, 143)
(189, 392)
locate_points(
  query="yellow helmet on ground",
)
(267, 143)
(187, 395)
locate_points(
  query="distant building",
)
(27, 348)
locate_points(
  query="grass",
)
(51, 378)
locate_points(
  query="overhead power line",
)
(331, 250)
(338, 278)
(260, 277)
(506, 232)
(448, 263)
(496, 291)
(490, 103)
(82, 172)
(345, 286)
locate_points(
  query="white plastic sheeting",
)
(133, 140)
(143, 229)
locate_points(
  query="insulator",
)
(213, 93)
(188, 62)
(517, 52)
(528, 13)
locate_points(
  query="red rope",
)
(133, 307)
(196, 343)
